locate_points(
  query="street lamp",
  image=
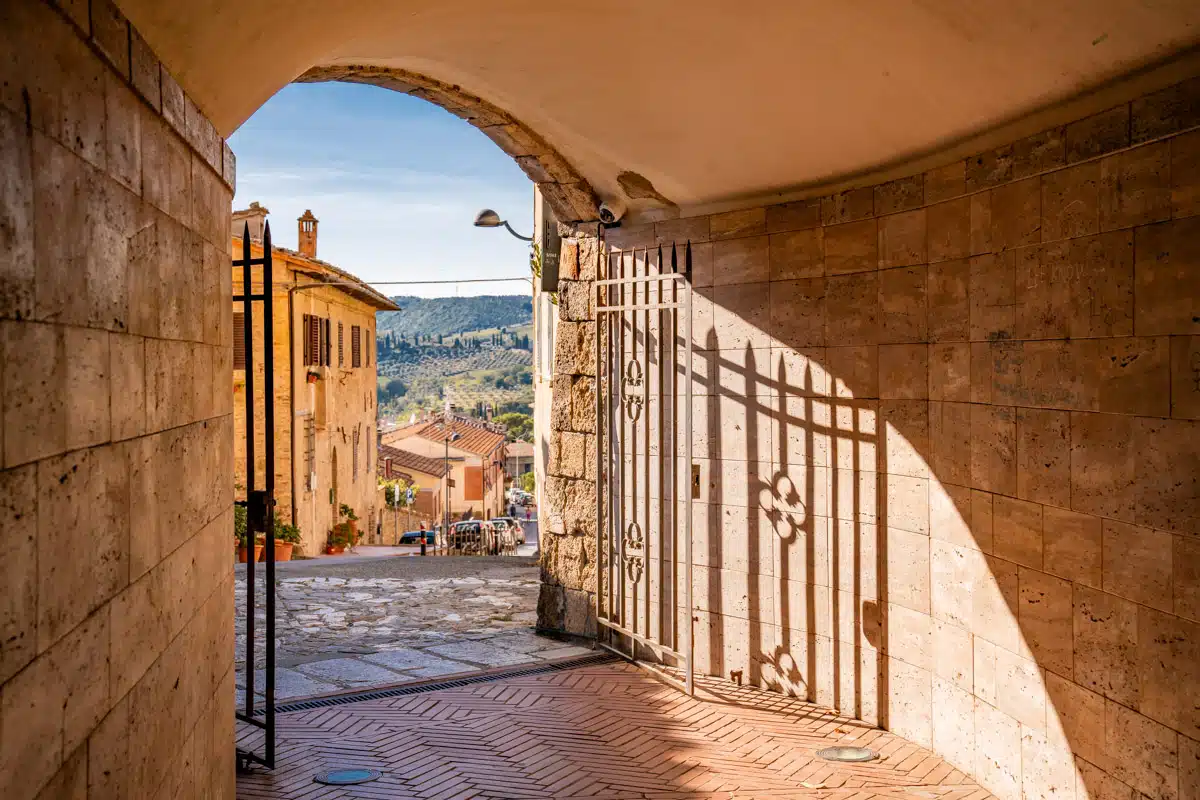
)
(490, 219)
(452, 437)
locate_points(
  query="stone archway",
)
(565, 190)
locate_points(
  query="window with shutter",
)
(307, 350)
(317, 322)
(354, 461)
(313, 336)
(239, 340)
(327, 350)
(368, 348)
(355, 346)
(341, 352)
(310, 452)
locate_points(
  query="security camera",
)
(611, 211)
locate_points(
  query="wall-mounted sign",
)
(551, 247)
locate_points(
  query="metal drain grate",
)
(456, 683)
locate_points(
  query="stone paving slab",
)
(484, 653)
(350, 672)
(354, 625)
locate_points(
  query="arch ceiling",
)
(708, 100)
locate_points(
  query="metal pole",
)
(687, 542)
(269, 446)
(446, 502)
(248, 341)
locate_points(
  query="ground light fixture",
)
(849, 754)
(347, 777)
(490, 219)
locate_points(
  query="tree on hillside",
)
(396, 388)
(520, 426)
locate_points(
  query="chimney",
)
(255, 216)
(308, 234)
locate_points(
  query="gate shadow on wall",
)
(843, 556)
(790, 582)
(795, 465)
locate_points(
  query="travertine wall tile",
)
(948, 230)
(904, 316)
(1046, 619)
(1044, 456)
(902, 239)
(1105, 645)
(848, 206)
(852, 309)
(1135, 187)
(1017, 531)
(1165, 278)
(794, 216)
(740, 261)
(1098, 134)
(1072, 546)
(798, 254)
(946, 182)
(1185, 175)
(797, 312)
(736, 224)
(852, 247)
(1071, 202)
(1137, 564)
(16, 220)
(1185, 377)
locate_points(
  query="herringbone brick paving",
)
(608, 732)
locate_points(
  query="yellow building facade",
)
(324, 384)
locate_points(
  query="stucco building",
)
(325, 382)
(476, 456)
(426, 474)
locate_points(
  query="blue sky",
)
(394, 181)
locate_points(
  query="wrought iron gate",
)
(260, 504)
(644, 456)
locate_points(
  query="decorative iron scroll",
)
(632, 390)
(634, 543)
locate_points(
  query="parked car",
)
(514, 526)
(414, 537)
(466, 537)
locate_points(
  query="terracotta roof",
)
(324, 271)
(520, 450)
(474, 436)
(403, 459)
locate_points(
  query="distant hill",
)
(450, 315)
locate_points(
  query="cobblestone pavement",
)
(351, 623)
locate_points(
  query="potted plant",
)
(287, 536)
(313, 376)
(351, 524)
(335, 544)
(241, 535)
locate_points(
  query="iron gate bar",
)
(260, 516)
(629, 538)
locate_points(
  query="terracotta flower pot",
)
(259, 549)
(283, 551)
(242, 553)
(332, 550)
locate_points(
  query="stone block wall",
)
(948, 430)
(115, 491)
